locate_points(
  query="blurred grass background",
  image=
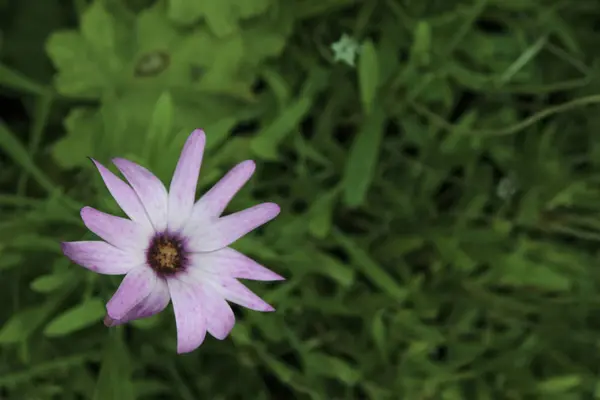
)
(437, 163)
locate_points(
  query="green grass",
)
(440, 189)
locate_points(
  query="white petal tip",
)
(249, 165)
(272, 209)
(186, 349)
(262, 307)
(199, 133)
(267, 276)
(85, 211)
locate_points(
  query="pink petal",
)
(138, 284)
(187, 301)
(182, 192)
(218, 314)
(102, 258)
(233, 290)
(149, 189)
(214, 202)
(155, 302)
(123, 195)
(119, 232)
(226, 230)
(231, 263)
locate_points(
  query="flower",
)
(172, 249)
(345, 50)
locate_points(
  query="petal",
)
(214, 202)
(233, 290)
(226, 230)
(124, 195)
(119, 232)
(102, 257)
(182, 192)
(149, 189)
(157, 301)
(137, 285)
(217, 313)
(187, 300)
(231, 263)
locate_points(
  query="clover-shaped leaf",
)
(87, 62)
(222, 17)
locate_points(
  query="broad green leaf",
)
(222, 17)
(71, 150)
(329, 266)
(165, 57)
(362, 159)
(267, 142)
(326, 365)
(240, 335)
(368, 75)
(20, 325)
(49, 283)
(278, 85)
(115, 381)
(401, 244)
(87, 63)
(152, 53)
(225, 65)
(518, 270)
(471, 79)
(451, 251)
(369, 268)
(267, 37)
(76, 318)
(379, 333)
(421, 47)
(33, 241)
(184, 11)
(320, 214)
(97, 28)
(25, 322)
(217, 132)
(161, 124)
(559, 384)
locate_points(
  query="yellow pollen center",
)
(167, 256)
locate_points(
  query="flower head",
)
(175, 249)
(345, 50)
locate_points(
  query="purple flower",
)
(173, 248)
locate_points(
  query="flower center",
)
(166, 254)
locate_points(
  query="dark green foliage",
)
(437, 164)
